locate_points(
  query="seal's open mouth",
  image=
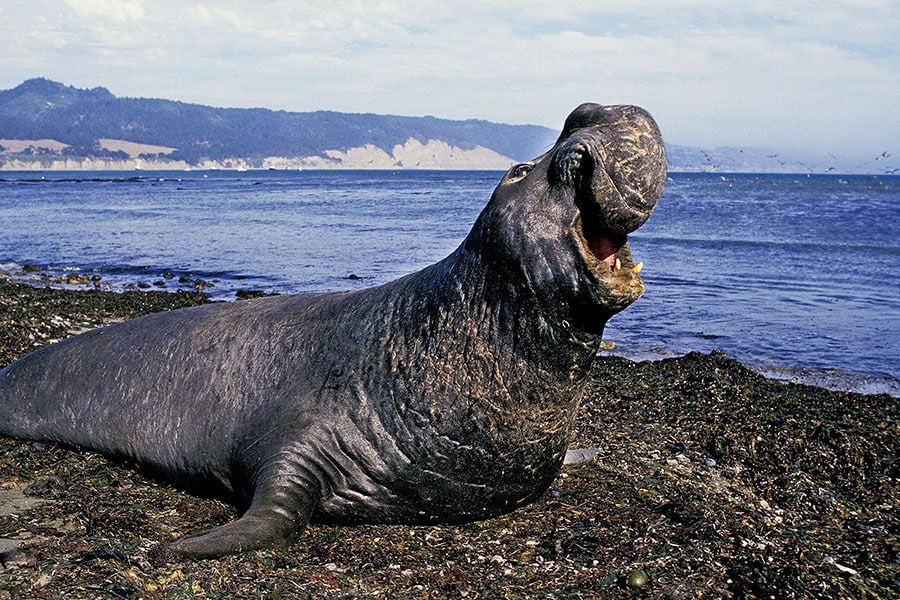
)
(611, 162)
(606, 252)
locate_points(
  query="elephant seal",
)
(445, 396)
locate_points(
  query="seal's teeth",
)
(637, 268)
(618, 265)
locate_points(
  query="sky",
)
(812, 76)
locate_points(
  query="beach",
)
(709, 480)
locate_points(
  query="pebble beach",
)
(704, 480)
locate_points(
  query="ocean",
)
(796, 276)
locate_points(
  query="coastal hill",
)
(48, 125)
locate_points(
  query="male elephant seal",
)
(442, 397)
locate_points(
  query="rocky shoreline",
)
(709, 481)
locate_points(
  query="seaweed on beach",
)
(31, 317)
(709, 481)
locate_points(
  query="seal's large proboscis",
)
(442, 397)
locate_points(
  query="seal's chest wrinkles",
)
(417, 495)
(448, 437)
(407, 469)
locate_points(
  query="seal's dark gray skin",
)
(445, 396)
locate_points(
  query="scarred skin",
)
(445, 396)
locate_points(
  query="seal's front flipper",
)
(274, 520)
(250, 532)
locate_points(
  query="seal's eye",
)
(520, 171)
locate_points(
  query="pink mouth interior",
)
(604, 248)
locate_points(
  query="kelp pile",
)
(709, 481)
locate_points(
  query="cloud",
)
(113, 10)
(202, 16)
(713, 73)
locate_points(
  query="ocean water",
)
(794, 275)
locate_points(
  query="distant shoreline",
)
(411, 155)
(237, 166)
(53, 126)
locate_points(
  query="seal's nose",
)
(585, 115)
(614, 159)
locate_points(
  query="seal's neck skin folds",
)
(556, 228)
(526, 295)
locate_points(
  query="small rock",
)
(710, 462)
(580, 455)
(636, 579)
